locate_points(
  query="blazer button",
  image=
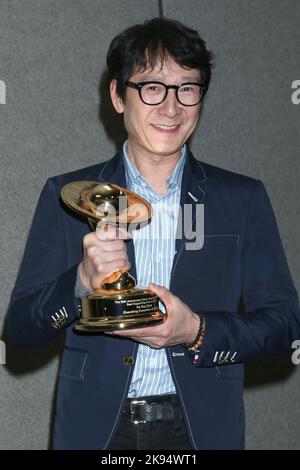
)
(128, 361)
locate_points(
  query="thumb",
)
(162, 293)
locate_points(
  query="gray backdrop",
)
(52, 58)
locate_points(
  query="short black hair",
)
(140, 46)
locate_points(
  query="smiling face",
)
(161, 130)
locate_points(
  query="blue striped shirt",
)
(154, 247)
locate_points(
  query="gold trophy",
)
(117, 304)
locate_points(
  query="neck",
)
(155, 169)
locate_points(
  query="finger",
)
(149, 332)
(108, 268)
(134, 332)
(109, 232)
(106, 232)
(161, 292)
(123, 234)
(109, 256)
(115, 245)
(101, 248)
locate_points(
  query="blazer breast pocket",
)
(73, 364)
(221, 239)
(231, 371)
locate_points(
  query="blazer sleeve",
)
(43, 301)
(271, 321)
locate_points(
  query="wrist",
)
(193, 329)
(199, 337)
(80, 289)
(84, 279)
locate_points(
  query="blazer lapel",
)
(192, 194)
(113, 171)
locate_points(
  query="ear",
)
(115, 98)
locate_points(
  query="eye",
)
(153, 88)
(188, 89)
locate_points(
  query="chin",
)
(165, 151)
(167, 147)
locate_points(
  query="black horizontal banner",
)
(144, 458)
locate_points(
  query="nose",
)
(170, 106)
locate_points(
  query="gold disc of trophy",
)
(118, 304)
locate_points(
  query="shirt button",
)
(128, 361)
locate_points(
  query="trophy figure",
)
(117, 304)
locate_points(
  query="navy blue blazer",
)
(241, 263)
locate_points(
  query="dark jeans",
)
(163, 434)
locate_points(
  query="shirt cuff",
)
(80, 289)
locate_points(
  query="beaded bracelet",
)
(199, 343)
(199, 336)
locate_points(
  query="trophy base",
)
(111, 311)
(115, 324)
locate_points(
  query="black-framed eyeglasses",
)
(153, 93)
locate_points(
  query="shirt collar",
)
(133, 174)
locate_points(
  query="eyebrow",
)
(161, 79)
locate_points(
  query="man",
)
(177, 385)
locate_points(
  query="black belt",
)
(153, 408)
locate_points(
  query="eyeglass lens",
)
(155, 93)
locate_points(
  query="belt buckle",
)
(132, 411)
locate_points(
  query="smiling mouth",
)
(166, 128)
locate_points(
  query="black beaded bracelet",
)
(199, 332)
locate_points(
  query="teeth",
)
(166, 127)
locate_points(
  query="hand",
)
(181, 324)
(104, 251)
